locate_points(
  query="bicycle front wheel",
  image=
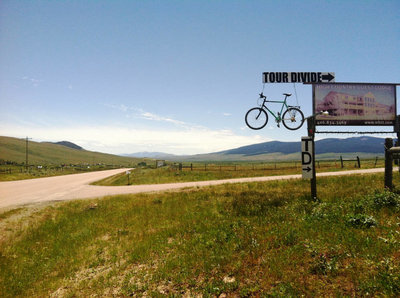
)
(256, 118)
(293, 118)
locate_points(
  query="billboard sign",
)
(355, 103)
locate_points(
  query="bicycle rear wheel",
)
(256, 118)
(293, 118)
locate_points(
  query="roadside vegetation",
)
(217, 171)
(249, 239)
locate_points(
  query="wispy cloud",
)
(34, 82)
(154, 117)
(142, 114)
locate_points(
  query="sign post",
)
(307, 164)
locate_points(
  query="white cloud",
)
(129, 140)
(142, 114)
(33, 81)
(154, 117)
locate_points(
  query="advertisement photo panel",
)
(355, 104)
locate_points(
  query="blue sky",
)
(178, 76)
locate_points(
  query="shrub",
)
(361, 221)
(386, 199)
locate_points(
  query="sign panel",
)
(307, 168)
(298, 77)
(355, 104)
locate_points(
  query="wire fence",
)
(268, 166)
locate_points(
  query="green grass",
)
(251, 239)
(218, 171)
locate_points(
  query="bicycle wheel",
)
(256, 118)
(293, 118)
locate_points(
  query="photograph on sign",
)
(355, 103)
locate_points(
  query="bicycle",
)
(293, 118)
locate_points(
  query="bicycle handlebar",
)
(262, 95)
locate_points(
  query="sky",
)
(178, 76)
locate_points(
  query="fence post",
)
(376, 161)
(359, 162)
(341, 161)
(388, 164)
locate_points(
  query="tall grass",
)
(243, 239)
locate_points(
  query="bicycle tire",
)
(293, 118)
(256, 118)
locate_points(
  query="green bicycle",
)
(293, 118)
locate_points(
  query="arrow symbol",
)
(328, 77)
(307, 169)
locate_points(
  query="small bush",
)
(324, 265)
(386, 199)
(361, 221)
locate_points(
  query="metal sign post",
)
(311, 136)
(307, 165)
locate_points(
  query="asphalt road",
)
(76, 186)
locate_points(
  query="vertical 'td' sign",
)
(307, 158)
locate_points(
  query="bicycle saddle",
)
(287, 94)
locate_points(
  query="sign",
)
(128, 172)
(355, 104)
(307, 157)
(298, 77)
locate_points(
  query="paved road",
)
(69, 187)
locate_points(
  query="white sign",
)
(128, 172)
(307, 157)
(298, 77)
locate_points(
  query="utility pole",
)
(26, 151)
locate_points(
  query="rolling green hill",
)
(13, 149)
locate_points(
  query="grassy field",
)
(217, 171)
(250, 239)
(13, 149)
(47, 159)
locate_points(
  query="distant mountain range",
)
(330, 148)
(147, 154)
(332, 145)
(13, 149)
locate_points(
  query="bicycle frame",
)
(284, 105)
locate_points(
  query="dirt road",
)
(69, 187)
